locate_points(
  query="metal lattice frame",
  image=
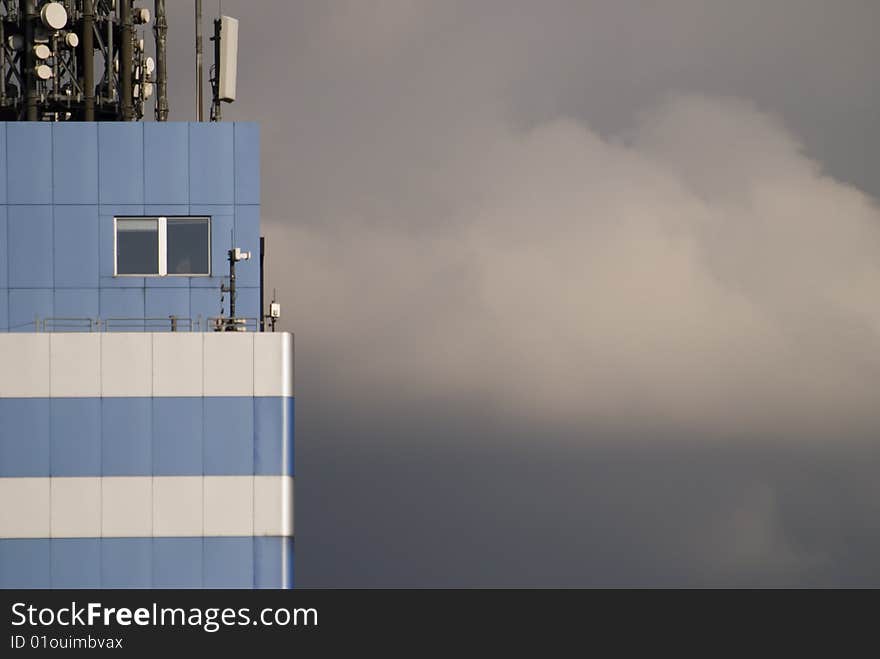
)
(93, 68)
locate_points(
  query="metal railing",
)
(134, 324)
(169, 324)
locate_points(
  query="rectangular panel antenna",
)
(228, 58)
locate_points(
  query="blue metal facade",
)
(139, 436)
(61, 185)
(219, 562)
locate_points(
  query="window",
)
(163, 246)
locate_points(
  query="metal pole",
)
(30, 78)
(232, 283)
(200, 114)
(2, 64)
(125, 61)
(262, 295)
(161, 31)
(108, 64)
(88, 58)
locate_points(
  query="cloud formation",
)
(695, 273)
(559, 323)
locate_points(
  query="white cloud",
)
(699, 273)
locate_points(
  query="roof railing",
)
(136, 324)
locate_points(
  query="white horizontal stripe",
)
(126, 506)
(146, 506)
(128, 364)
(273, 505)
(229, 505)
(270, 350)
(25, 359)
(25, 508)
(75, 507)
(179, 506)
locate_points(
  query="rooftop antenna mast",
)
(74, 60)
(30, 73)
(160, 29)
(88, 55)
(223, 73)
(200, 113)
(233, 323)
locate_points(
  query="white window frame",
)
(162, 222)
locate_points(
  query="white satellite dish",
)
(54, 15)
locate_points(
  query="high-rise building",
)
(146, 428)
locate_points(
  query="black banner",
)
(414, 621)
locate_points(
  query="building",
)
(139, 447)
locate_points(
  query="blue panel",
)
(287, 547)
(247, 236)
(4, 239)
(126, 562)
(164, 302)
(273, 562)
(76, 303)
(247, 163)
(121, 209)
(171, 282)
(229, 563)
(121, 149)
(24, 437)
(177, 562)
(229, 436)
(30, 180)
(30, 246)
(205, 302)
(25, 563)
(273, 436)
(107, 251)
(27, 303)
(222, 225)
(127, 436)
(76, 436)
(76, 563)
(168, 210)
(247, 303)
(122, 303)
(4, 310)
(76, 246)
(75, 171)
(3, 195)
(211, 210)
(177, 436)
(166, 163)
(211, 171)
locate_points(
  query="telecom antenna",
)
(50, 53)
(224, 72)
(233, 323)
(160, 29)
(200, 113)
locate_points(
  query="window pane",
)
(137, 247)
(188, 246)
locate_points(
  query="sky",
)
(584, 293)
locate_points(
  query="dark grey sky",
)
(585, 293)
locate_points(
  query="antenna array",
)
(79, 60)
